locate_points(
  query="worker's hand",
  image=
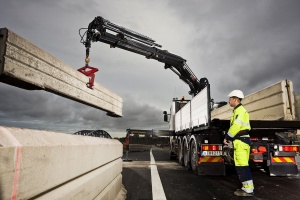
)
(225, 141)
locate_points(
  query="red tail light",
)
(211, 147)
(289, 148)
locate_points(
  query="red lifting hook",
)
(90, 73)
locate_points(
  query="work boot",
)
(242, 193)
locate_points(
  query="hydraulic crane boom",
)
(129, 40)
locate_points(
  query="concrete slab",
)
(24, 65)
(270, 103)
(36, 163)
(103, 181)
(114, 190)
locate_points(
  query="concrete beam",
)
(38, 164)
(274, 102)
(24, 65)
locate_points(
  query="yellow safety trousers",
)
(241, 153)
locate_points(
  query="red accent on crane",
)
(90, 72)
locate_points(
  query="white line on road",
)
(157, 188)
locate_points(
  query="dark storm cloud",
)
(235, 44)
(248, 44)
(40, 110)
(27, 106)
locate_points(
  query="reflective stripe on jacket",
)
(239, 121)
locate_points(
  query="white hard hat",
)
(236, 93)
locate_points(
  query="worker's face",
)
(233, 101)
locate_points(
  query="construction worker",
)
(239, 134)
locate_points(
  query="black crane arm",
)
(103, 30)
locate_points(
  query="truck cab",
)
(176, 105)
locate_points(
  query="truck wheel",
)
(194, 157)
(186, 161)
(180, 157)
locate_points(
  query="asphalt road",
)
(181, 184)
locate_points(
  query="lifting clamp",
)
(88, 71)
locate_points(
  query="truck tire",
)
(194, 157)
(186, 156)
(180, 156)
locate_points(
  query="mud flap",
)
(215, 169)
(283, 169)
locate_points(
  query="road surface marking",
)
(157, 188)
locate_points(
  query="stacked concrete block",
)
(275, 102)
(24, 65)
(49, 165)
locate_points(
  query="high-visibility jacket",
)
(239, 121)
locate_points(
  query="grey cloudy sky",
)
(236, 44)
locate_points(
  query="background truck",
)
(196, 130)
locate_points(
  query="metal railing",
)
(94, 133)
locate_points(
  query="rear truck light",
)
(286, 150)
(211, 150)
(289, 148)
(254, 138)
(212, 147)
